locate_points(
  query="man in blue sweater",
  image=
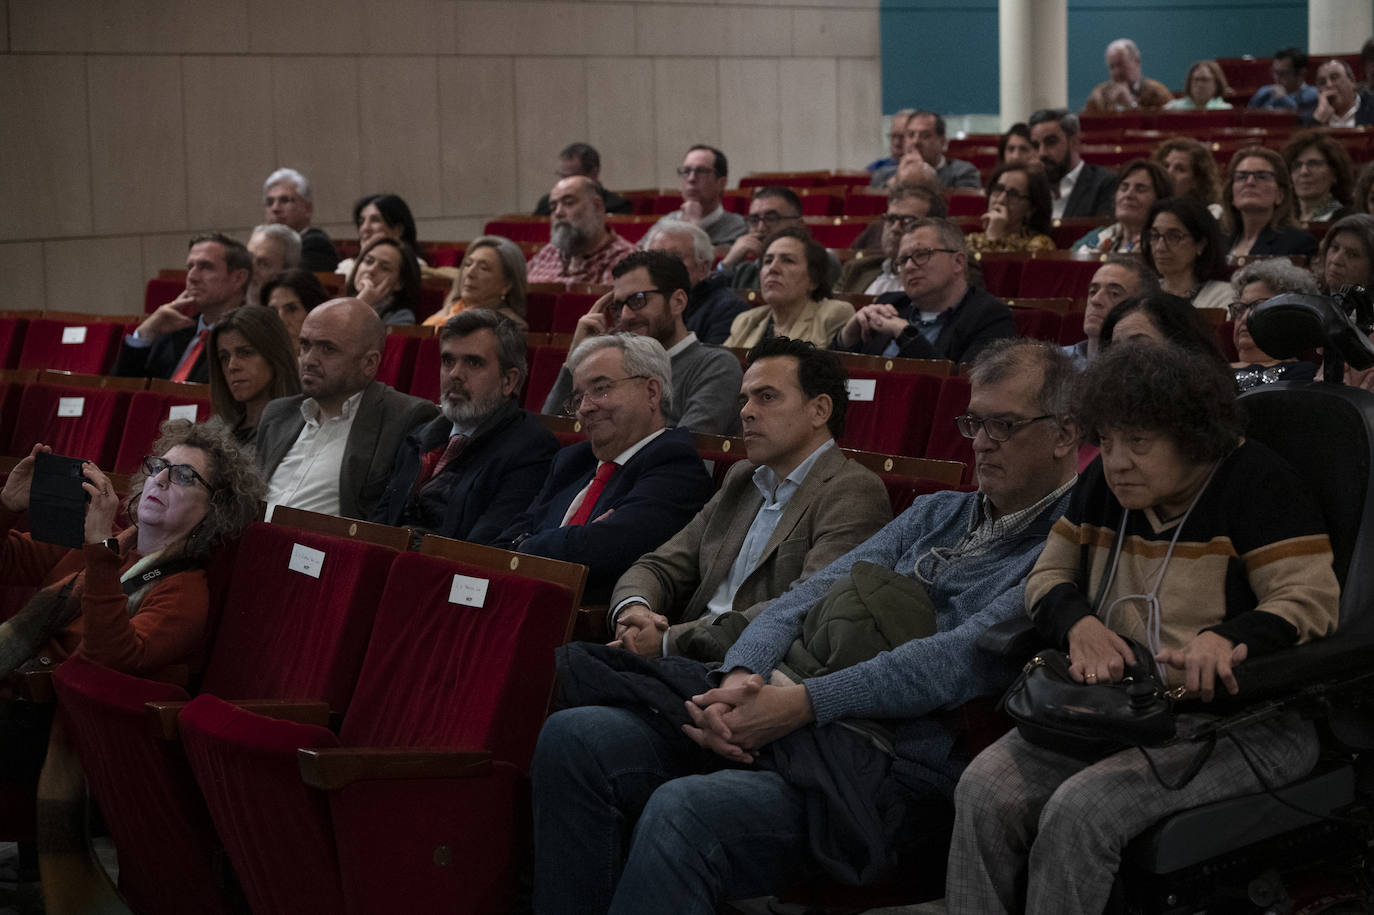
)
(628, 820)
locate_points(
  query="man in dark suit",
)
(632, 484)
(796, 505)
(470, 472)
(1080, 189)
(938, 315)
(329, 449)
(288, 199)
(1340, 101)
(170, 343)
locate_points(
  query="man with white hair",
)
(290, 202)
(581, 248)
(711, 303)
(275, 248)
(1127, 89)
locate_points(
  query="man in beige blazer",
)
(795, 506)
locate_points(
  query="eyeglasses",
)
(770, 218)
(1169, 237)
(905, 223)
(999, 430)
(599, 392)
(701, 171)
(180, 474)
(1011, 193)
(1238, 310)
(1262, 177)
(635, 301)
(1313, 164)
(922, 256)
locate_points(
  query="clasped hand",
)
(744, 714)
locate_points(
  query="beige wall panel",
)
(754, 31)
(22, 267)
(168, 252)
(138, 155)
(315, 126)
(477, 135)
(407, 27)
(808, 95)
(687, 108)
(4, 27)
(47, 25)
(45, 168)
(550, 112)
(229, 144)
(166, 26)
(399, 112)
(750, 117)
(664, 31)
(454, 228)
(834, 33)
(544, 28)
(109, 280)
(306, 27)
(860, 136)
(620, 120)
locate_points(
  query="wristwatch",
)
(111, 544)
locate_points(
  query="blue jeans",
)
(623, 823)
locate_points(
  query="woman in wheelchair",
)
(1193, 541)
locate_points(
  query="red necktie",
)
(436, 460)
(188, 362)
(584, 511)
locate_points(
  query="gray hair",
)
(641, 355)
(702, 248)
(1280, 274)
(1002, 358)
(510, 340)
(285, 236)
(1066, 119)
(512, 264)
(1125, 44)
(291, 176)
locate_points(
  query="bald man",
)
(329, 449)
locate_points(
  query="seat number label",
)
(469, 591)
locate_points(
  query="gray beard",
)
(471, 412)
(567, 238)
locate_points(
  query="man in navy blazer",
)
(632, 484)
(470, 472)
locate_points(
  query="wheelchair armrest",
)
(1014, 639)
(1282, 672)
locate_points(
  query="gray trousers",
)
(1041, 832)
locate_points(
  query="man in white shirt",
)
(796, 505)
(330, 448)
(1340, 103)
(704, 173)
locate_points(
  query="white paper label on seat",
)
(306, 561)
(74, 335)
(71, 406)
(182, 411)
(862, 388)
(469, 591)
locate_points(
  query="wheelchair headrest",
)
(1287, 325)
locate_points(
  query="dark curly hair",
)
(1038, 193)
(1337, 159)
(1162, 388)
(819, 371)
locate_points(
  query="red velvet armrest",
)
(302, 711)
(332, 768)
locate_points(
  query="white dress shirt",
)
(308, 476)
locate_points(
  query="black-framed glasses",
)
(999, 430)
(1010, 193)
(597, 393)
(180, 474)
(686, 171)
(1264, 176)
(636, 301)
(1238, 309)
(905, 223)
(1313, 164)
(1170, 237)
(769, 219)
(921, 256)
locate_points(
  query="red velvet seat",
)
(1036, 323)
(397, 366)
(946, 443)
(569, 307)
(539, 311)
(897, 418)
(1002, 272)
(423, 779)
(519, 228)
(545, 361)
(837, 231)
(12, 331)
(424, 380)
(92, 433)
(160, 291)
(89, 348)
(1058, 275)
(147, 411)
(967, 204)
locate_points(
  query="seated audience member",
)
(274, 248)
(1363, 201)
(1142, 183)
(1289, 91)
(382, 214)
(1018, 214)
(1080, 188)
(905, 204)
(1340, 103)
(770, 209)
(703, 175)
(470, 472)
(1041, 831)
(1126, 89)
(1014, 148)
(1257, 207)
(1253, 284)
(492, 276)
(289, 200)
(1183, 245)
(1193, 171)
(1120, 277)
(199, 490)
(938, 315)
(1367, 64)
(1346, 255)
(581, 248)
(795, 289)
(329, 449)
(1162, 318)
(925, 132)
(170, 343)
(291, 295)
(582, 159)
(252, 361)
(793, 507)
(698, 840)
(648, 296)
(915, 171)
(711, 303)
(1204, 89)
(632, 484)
(387, 277)
(1322, 177)
(883, 169)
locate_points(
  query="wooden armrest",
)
(36, 686)
(331, 768)
(301, 711)
(590, 624)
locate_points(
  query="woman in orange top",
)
(492, 276)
